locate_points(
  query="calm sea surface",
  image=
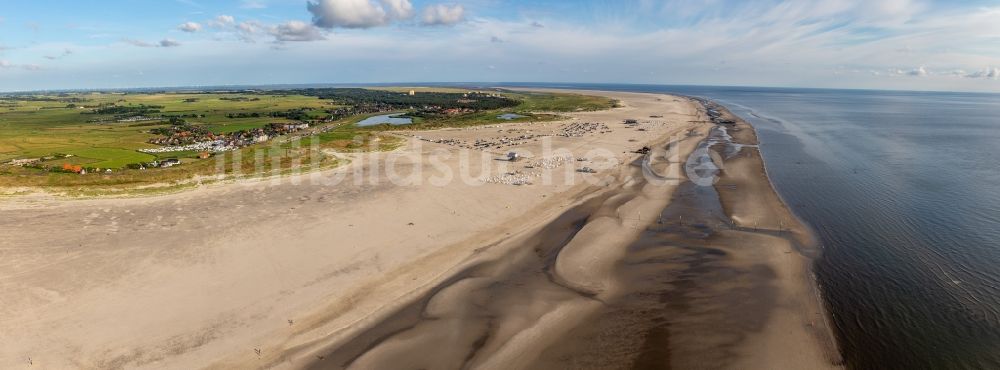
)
(903, 190)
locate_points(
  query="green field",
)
(531, 101)
(545, 102)
(58, 129)
(31, 129)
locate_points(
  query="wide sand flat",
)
(295, 272)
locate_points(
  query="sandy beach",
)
(440, 255)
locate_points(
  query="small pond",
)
(510, 116)
(392, 119)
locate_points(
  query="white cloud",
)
(222, 21)
(358, 13)
(189, 27)
(296, 31)
(247, 31)
(919, 72)
(440, 14)
(251, 31)
(165, 43)
(139, 43)
(398, 9)
(988, 73)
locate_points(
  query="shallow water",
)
(392, 119)
(904, 193)
(903, 190)
(510, 116)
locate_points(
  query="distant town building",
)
(170, 162)
(23, 162)
(412, 93)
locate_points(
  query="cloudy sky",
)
(883, 44)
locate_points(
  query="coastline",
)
(752, 202)
(216, 291)
(790, 338)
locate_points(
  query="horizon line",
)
(496, 84)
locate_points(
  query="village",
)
(184, 137)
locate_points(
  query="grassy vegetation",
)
(531, 104)
(108, 157)
(272, 159)
(471, 119)
(63, 130)
(421, 89)
(31, 129)
(531, 101)
(546, 102)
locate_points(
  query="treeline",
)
(298, 114)
(140, 109)
(397, 100)
(180, 127)
(37, 98)
(189, 115)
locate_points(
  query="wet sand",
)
(700, 287)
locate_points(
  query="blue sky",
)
(887, 44)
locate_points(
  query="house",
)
(23, 162)
(412, 93)
(170, 162)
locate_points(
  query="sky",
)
(867, 44)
